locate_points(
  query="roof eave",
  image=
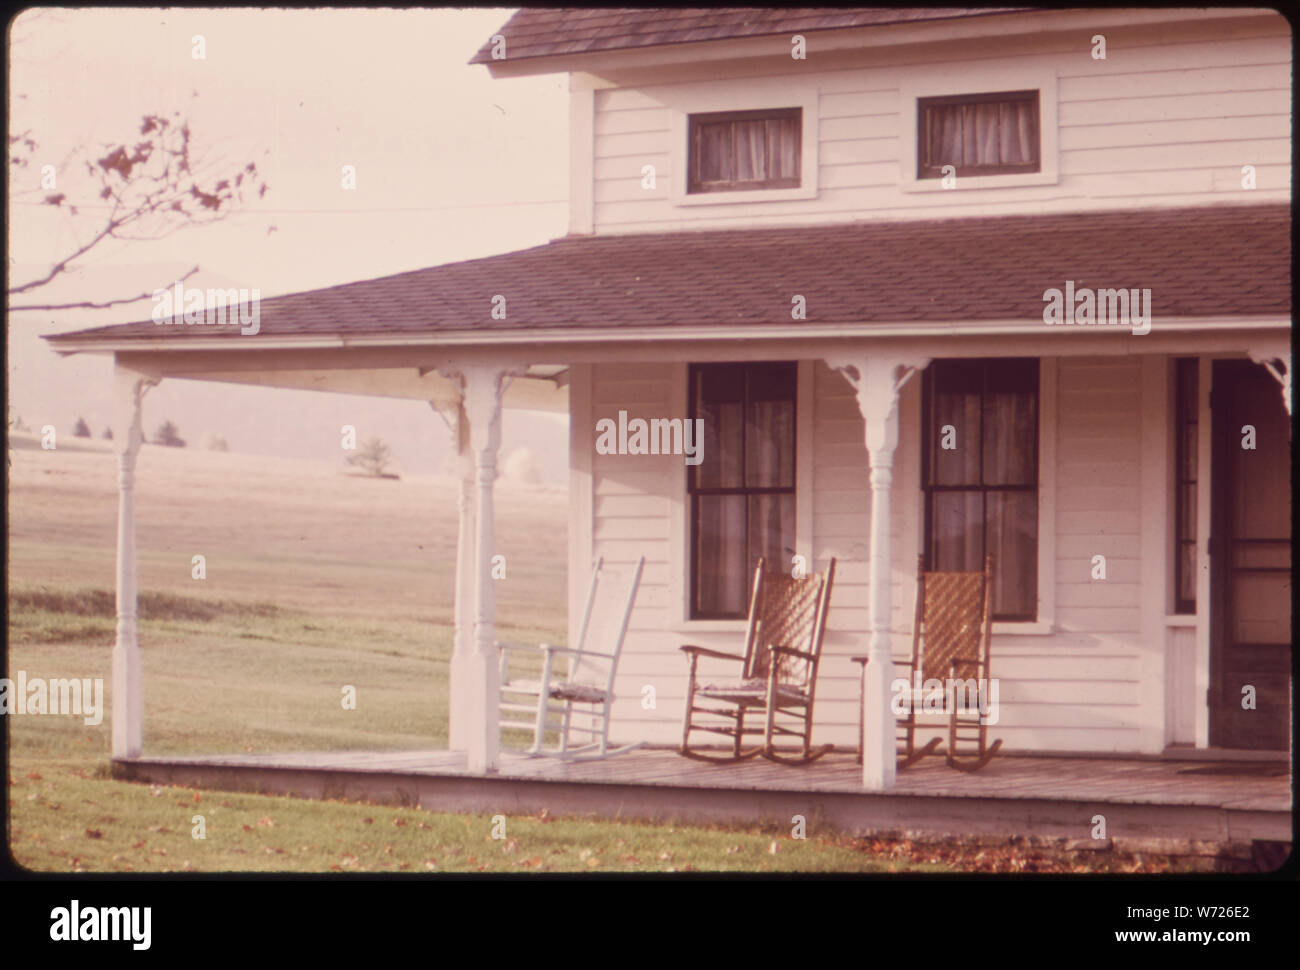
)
(68, 344)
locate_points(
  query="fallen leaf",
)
(94, 834)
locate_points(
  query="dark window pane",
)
(1010, 432)
(720, 396)
(957, 531)
(957, 424)
(721, 561)
(1013, 542)
(715, 160)
(771, 531)
(1187, 457)
(1187, 512)
(1187, 573)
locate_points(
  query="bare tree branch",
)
(86, 305)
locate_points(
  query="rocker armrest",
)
(792, 652)
(706, 652)
(862, 659)
(586, 653)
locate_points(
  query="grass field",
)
(315, 580)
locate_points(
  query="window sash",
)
(979, 134)
(1185, 458)
(741, 150)
(959, 532)
(736, 516)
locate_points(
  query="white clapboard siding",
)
(1169, 118)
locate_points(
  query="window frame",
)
(925, 171)
(694, 186)
(693, 491)
(962, 83)
(738, 96)
(1041, 616)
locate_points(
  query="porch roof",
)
(1218, 262)
(544, 31)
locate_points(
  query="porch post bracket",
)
(877, 382)
(129, 389)
(1270, 355)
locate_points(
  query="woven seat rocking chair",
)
(778, 673)
(951, 638)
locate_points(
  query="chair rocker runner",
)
(951, 637)
(551, 702)
(778, 672)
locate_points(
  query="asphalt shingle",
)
(1212, 261)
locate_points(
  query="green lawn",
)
(229, 676)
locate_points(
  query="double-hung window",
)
(980, 474)
(742, 494)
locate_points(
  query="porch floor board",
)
(1011, 795)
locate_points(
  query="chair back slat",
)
(787, 612)
(953, 608)
(605, 621)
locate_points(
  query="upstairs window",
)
(743, 150)
(978, 134)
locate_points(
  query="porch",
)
(1015, 795)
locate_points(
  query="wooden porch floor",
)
(1011, 795)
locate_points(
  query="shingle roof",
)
(543, 31)
(1216, 261)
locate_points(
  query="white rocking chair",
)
(589, 683)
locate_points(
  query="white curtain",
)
(984, 134)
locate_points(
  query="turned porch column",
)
(463, 611)
(484, 388)
(129, 388)
(877, 381)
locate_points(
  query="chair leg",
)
(984, 751)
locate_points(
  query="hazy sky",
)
(450, 165)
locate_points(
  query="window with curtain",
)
(1185, 407)
(980, 458)
(739, 150)
(742, 494)
(978, 134)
